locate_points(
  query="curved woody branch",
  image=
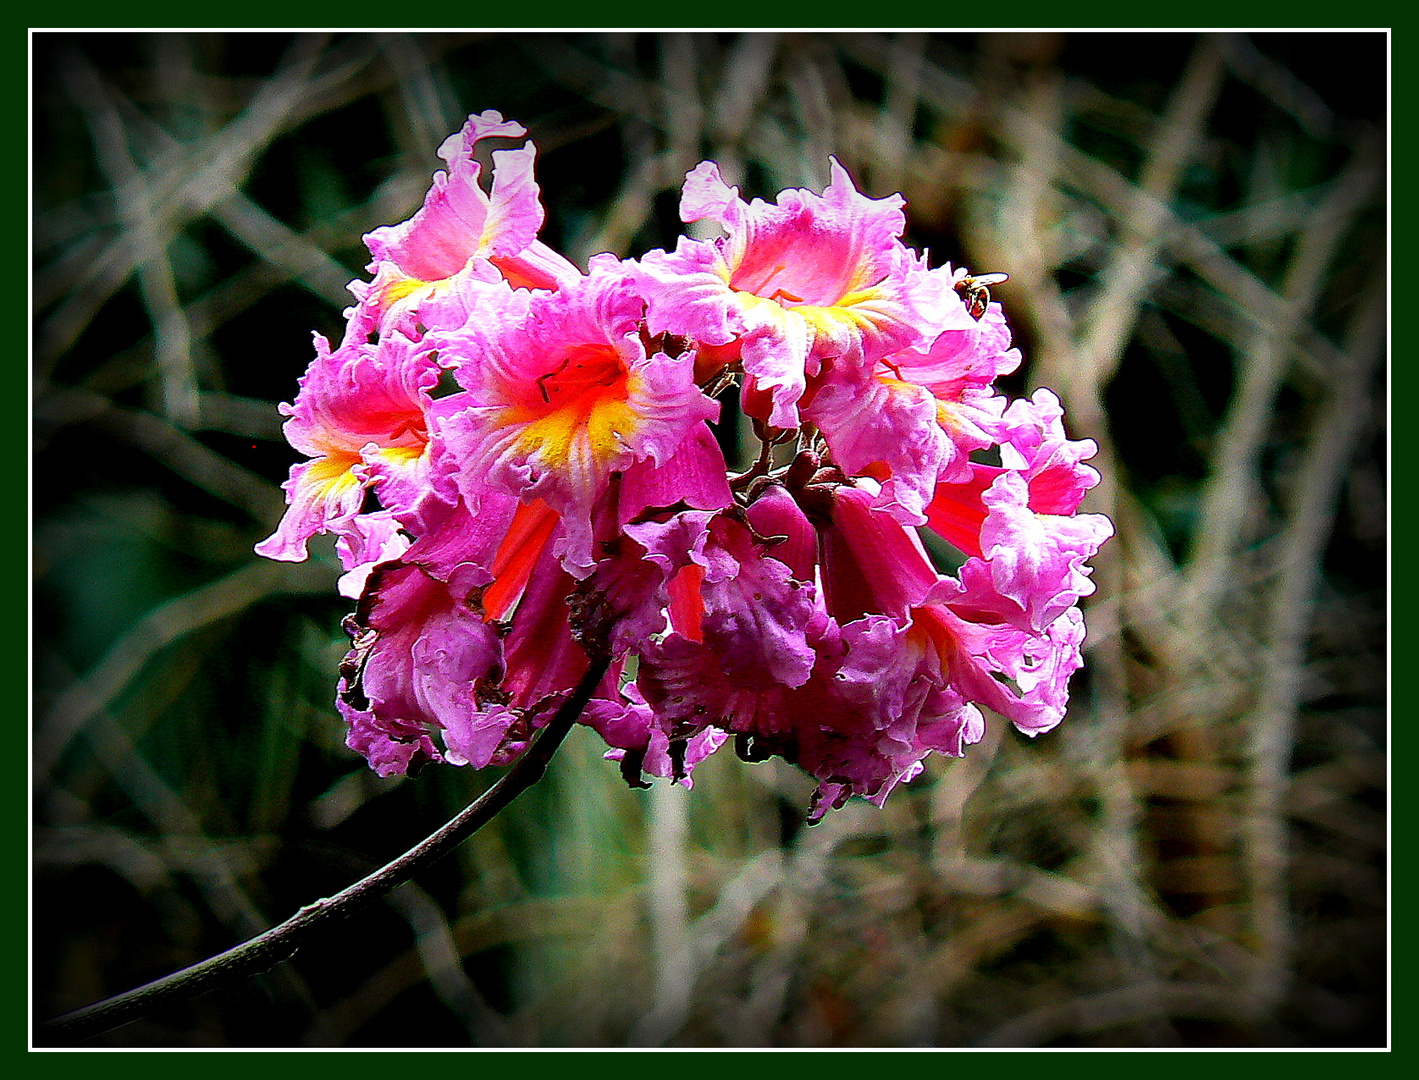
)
(281, 942)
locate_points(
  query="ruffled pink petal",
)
(628, 596)
(886, 429)
(643, 747)
(874, 708)
(653, 576)
(958, 369)
(570, 397)
(422, 654)
(1033, 442)
(706, 195)
(389, 750)
(1021, 674)
(1036, 561)
(685, 685)
(373, 539)
(362, 394)
(460, 545)
(688, 293)
(461, 238)
(479, 738)
(807, 281)
(694, 475)
(457, 221)
(323, 495)
(748, 606)
(907, 693)
(514, 212)
(423, 311)
(757, 615)
(359, 407)
(966, 354)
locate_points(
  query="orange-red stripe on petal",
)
(687, 606)
(527, 535)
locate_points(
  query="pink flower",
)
(1019, 523)
(567, 504)
(569, 396)
(927, 408)
(461, 234)
(1036, 561)
(808, 281)
(361, 417)
(423, 660)
(465, 638)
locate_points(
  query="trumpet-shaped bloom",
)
(568, 397)
(464, 639)
(461, 233)
(808, 281)
(1019, 522)
(926, 409)
(422, 659)
(1037, 561)
(361, 417)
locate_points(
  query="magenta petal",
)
(810, 282)
(1037, 561)
(429, 647)
(460, 546)
(779, 521)
(754, 613)
(707, 195)
(456, 222)
(640, 742)
(871, 563)
(757, 614)
(324, 495)
(1020, 674)
(514, 214)
(389, 753)
(675, 541)
(475, 738)
(1033, 442)
(694, 474)
(371, 540)
(630, 587)
(888, 429)
(687, 293)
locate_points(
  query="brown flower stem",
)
(280, 942)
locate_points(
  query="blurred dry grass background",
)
(1195, 229)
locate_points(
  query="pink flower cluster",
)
(517, 461)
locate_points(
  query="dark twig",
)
(280, 942)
